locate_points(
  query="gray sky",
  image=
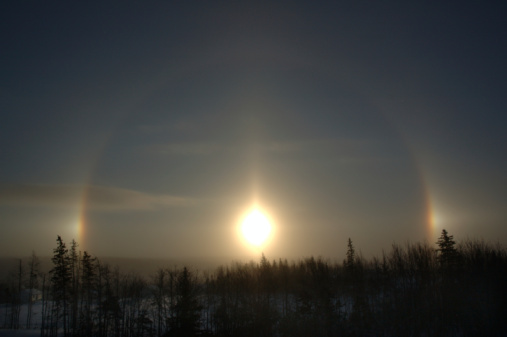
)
(147, 129)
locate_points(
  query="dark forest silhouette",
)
(416, 289)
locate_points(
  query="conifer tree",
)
(88, 286)
(351, 254)
(187, 309)
(74, 267)
(450, 297)
(60, 281)
(447, 250)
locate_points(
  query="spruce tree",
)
(60, 280)
(447, 253)
(351, 254)
(88, 287)
(74, 283)
(187, 310)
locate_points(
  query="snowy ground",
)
(36, 320)
(36, 316)
(34, 330)
(26, 333)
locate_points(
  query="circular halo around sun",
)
(255, 228)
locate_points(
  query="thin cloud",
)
(344, 150)
(187, 149)
(188, 126)
(100, 198)
(112, 198)
(348, 150)
(341, 145)
(39, 194)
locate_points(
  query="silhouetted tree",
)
(350, 257)
(447, 253)
(187, 309)
(135, 321)
(14, 292)
(60, 281)
(450, 299)
(264, 314)
(88, 290)
(413, 290)
(74, 267)
(484, 283)
(33, 270)
(44, 313)
(108, 300)
(160, 280)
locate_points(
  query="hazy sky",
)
(148, 128)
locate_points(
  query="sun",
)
(255, 228)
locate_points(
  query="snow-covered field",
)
(36, 315)
(25, 333)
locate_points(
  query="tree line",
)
(416, 289)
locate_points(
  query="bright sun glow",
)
(256, 228)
